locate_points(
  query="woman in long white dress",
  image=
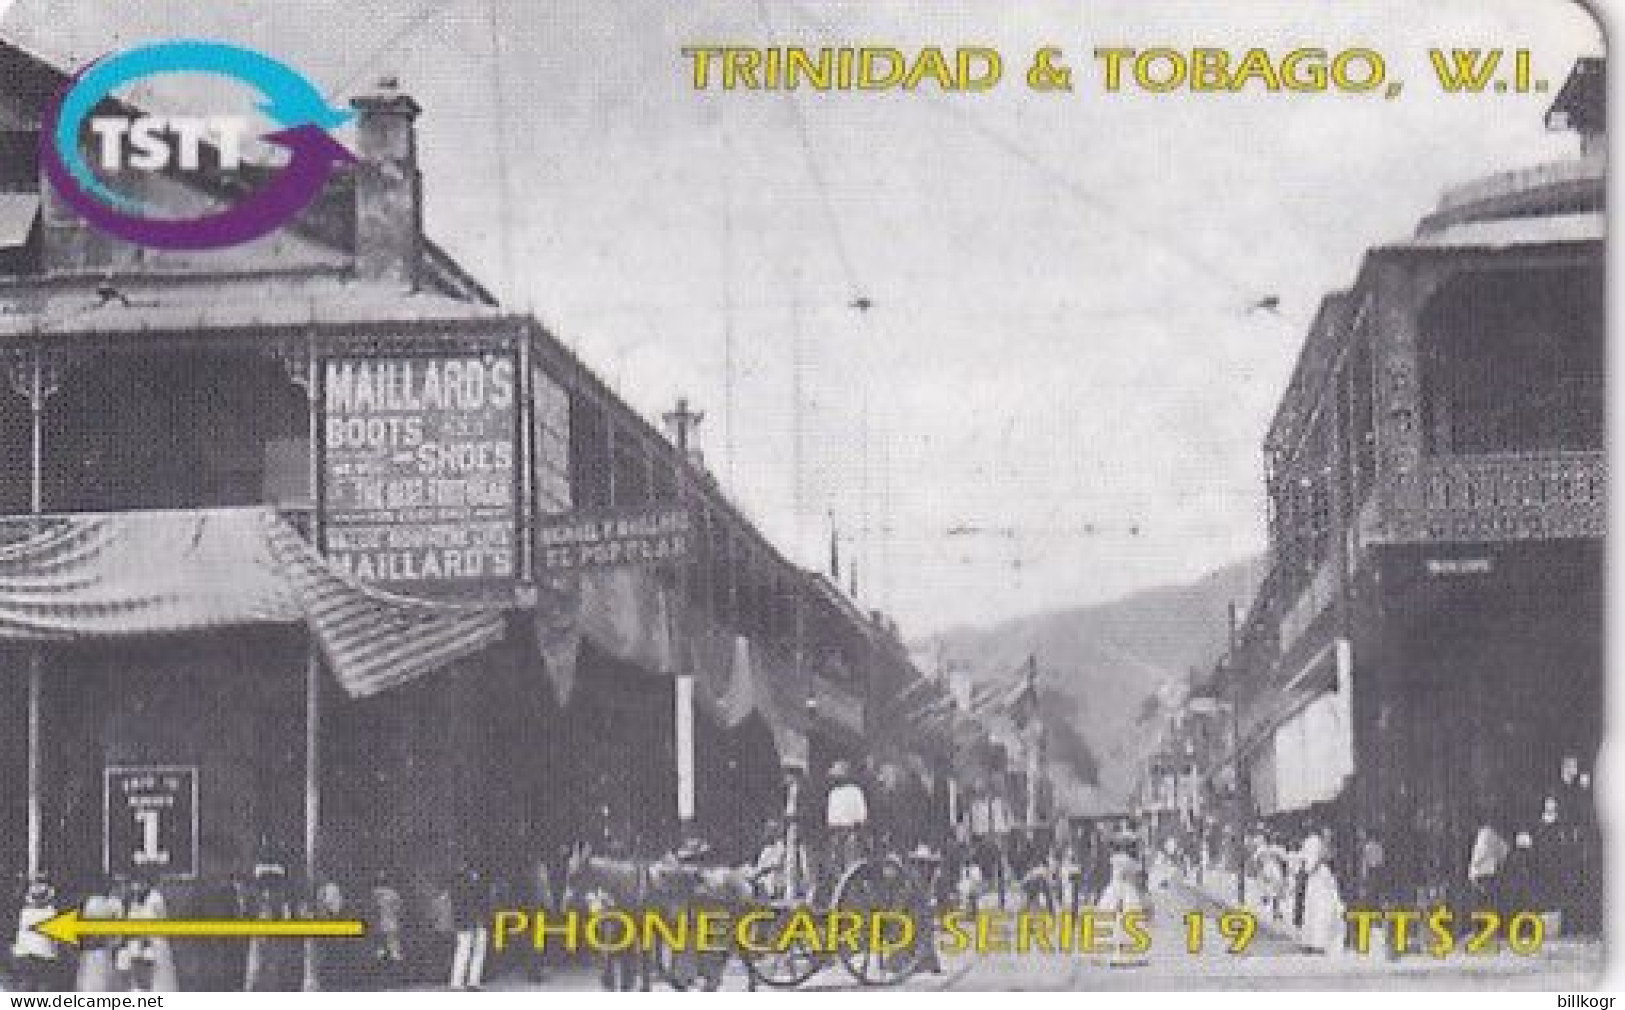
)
(1323, 926)
(152, 960)
(1124, 895)
(96, 971)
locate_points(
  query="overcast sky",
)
(1060, 351)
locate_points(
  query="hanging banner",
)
(837, 705)
(418, 472)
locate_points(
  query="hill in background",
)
(1100, 664)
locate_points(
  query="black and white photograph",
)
(826, 495)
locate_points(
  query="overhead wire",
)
(815, 173)
(1072, 187)
(499, 111)
(423, 16)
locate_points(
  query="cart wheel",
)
(874, 885)
(780, 969)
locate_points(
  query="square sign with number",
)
(151, 827)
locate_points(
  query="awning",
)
(631, 615)
(374, 640)
(1299, 748)
(761, 683)
(65, 578)
(101, 576)
(1330, 668)
(18, 212)
(623, 611)
(745, 694)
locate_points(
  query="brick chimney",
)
(388, 187)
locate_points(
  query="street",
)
(1271, 961)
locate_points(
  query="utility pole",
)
(682, 422)
(40, 387)
(1238, 793)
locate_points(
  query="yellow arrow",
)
(69, 926)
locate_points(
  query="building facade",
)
(216, 579)
(1426, 654)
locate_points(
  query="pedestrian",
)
(1373, 888)
(1069, 868)
(1568, 837)
(1298, 870)
(440, 951)
(1323, 925)
(986, 861)
(96, 971)
(1122, 892)
(388, 951)
(220, 961)
(778, 869)
(1518, 875)
(1272, 875)
(34, 955)
(926, 864)
(846, 815)
(544, 895)
(1031, 869)
(969, 885)
(1170, 862)
(338, 967)
(1484, 866)
(999, 850)
(149, 959)
(470, 901)
(272, 964)
(1097, 868)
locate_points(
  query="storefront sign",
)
(578, 540)
(1459, 566)
(419, 474)
(150, 822)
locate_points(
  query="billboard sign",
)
(614, 538)
(419, 471)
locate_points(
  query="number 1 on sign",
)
(150, 854)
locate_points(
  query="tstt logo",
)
(159, 142)
(151, 143)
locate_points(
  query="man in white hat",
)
(846, 814)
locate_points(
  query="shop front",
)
(1494, 682)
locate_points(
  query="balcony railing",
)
(1522, 497)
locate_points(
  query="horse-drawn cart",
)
(780, 955)
(783, 939)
